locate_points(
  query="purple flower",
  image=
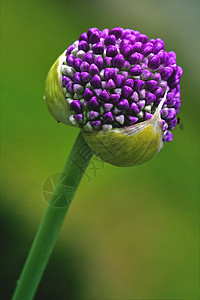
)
(93, 69)
(132, 120)
(104, 96)
(65, 80)
(93, 103)
(150, 85)
(119, 80)
(109, 73)
(154, 62)
(98, 48)
(83, 45)
(111, 51)
(78, 118)
(93, 114)
(110, 85)
(94, 37)
(138, 84)
(76, 106)
(110, 40)
(108, 117)
(123, 104)
(96, 124)
(135, 58)
(127, 91)
(118, 61)
(134, 108)
(99, 62)
(118, 77)
(114, 98)
(96, 81)
(135, 70)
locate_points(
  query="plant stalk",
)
(52, 221)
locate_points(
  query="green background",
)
(130, 233)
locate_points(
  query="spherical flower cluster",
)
(116, 78)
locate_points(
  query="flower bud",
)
(121, 90)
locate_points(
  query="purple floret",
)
(118, 77)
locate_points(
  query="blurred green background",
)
(130, 233)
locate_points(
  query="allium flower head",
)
(114, 79)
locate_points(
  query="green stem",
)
(52, 221)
